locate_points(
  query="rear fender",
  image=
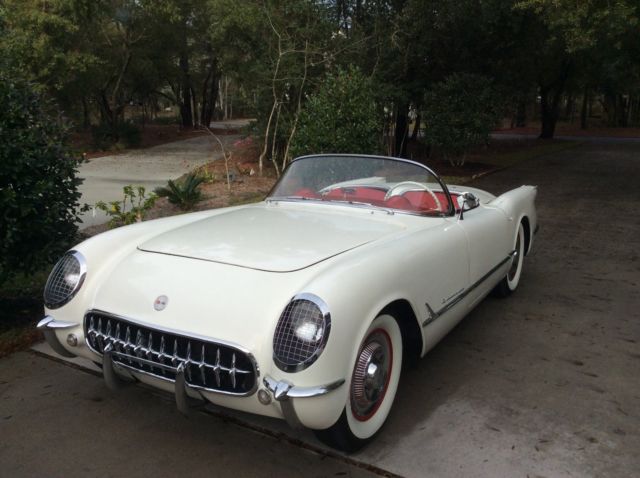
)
(519, 206)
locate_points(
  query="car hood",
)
(272, 237)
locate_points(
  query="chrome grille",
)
(58, 289)
(208, 365)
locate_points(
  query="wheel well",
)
(402, 311)
(527, 234)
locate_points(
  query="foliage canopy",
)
(38, 184)
(461, 112)
(341, 117)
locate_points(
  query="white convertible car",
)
(303, 306)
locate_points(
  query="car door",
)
(487, 230)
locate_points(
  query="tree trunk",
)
(401, 131)
(548, 116)
(186, 113)
(86, 118)
(585, 109)
(209, 95)
(622, 112)
(521, 113)
(416, 128)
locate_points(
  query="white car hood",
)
(272, 237)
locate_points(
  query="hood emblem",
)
(161, 302)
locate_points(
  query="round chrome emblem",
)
(161, 302)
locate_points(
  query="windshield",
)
(364, 181)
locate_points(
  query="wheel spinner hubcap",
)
(371, 375)
(515, 261)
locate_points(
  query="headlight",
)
(302, 333)
(65, 280)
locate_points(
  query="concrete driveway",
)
(105, 177)
(543, 384)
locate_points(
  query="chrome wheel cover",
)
(515, 262)
(371, 375)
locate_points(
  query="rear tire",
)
(372, 388)
(509, 283)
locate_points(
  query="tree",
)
(566, 32)
(38, 184)
(342, 117)
(460, 113)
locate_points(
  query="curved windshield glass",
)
(364, 181)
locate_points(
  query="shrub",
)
(38, 184)
(184, 193)
(460, 113)
(127, 133)
(138, 203)
(342, 117)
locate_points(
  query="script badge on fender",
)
(161, 302)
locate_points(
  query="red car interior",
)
(414, 201)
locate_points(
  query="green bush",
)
(460, 113)
(137, 202)
(127, 133)
(38, 184)
(184, 193)
(342, 117)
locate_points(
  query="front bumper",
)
(48, 326)
(287, 396)
(284, 392)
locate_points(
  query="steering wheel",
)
(406, 186)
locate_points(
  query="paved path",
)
(105, 177)
(542, 384)
(586, 139)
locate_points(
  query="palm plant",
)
(184, 193)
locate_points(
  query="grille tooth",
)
(150, 346)
(138, 347)
(127, 341)
(174, 359)
(234, 371)
(118, 345)
(187, 361)
(216, 368)
(100, 336)
(201, 366)
(162, 353)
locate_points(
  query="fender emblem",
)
(161, 302)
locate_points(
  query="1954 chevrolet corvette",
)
(303, 306)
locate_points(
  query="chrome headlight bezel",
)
(288, 339)
(55, 275)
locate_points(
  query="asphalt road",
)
(105, 177)
(543, 384)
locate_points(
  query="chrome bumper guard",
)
(284, 391)
(115, 381)
(48, 326)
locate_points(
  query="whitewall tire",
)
(510, 282)
(372, 387)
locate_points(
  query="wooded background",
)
(113, 63)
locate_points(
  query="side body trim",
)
(433, 315)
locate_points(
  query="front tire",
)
(372, 387)
(509, 283)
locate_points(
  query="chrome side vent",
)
(208, 365)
